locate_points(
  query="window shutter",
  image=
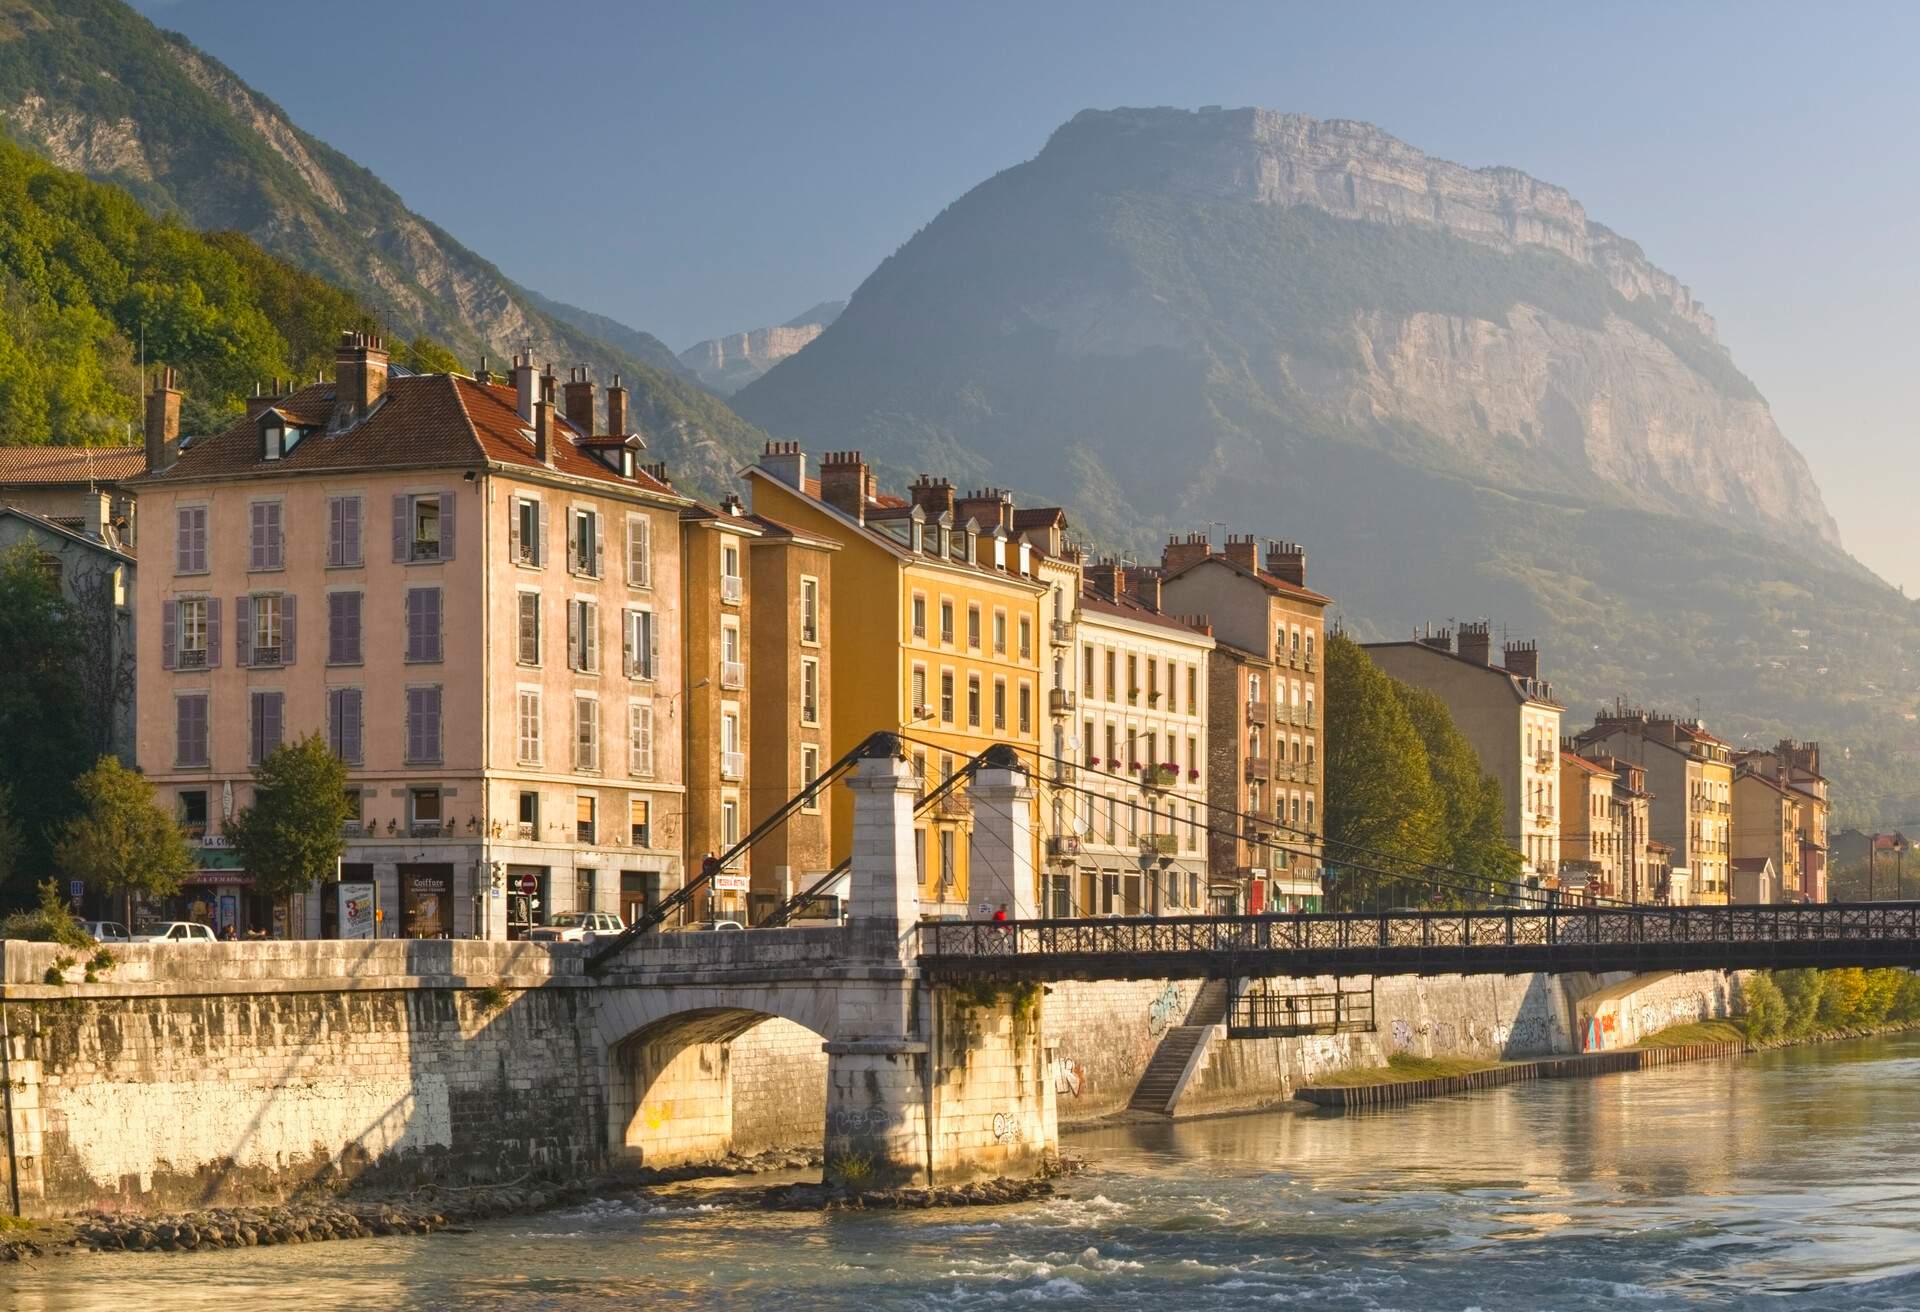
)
(286, 628)
(540, 543)
(513, 529)
(354, 723)
(627, 623)
(213, 633)
(183, 542)
(574, 635)
(446, 525)
(433, 724)
(573, 537)
(599, 553)
(414, 713)
(257, 539)
(400, 528)
(414, 643)
(336, 531)
(270, 723)
(350, 520)
(653, 647)
(169, 632)
(200, 538)
(433, 624)
(336, 721)
(243, 631)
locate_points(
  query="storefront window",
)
(426, 901)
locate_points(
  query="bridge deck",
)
(1501, 941)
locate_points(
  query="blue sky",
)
(712, 167)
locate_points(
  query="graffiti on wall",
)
(1400, 1034)
(1162, 1010)
(1068, 1077)
(864, 1120)
(1006, 1127)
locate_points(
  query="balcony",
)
(1256, 712)
(524, 831)
(425, 549)
(349, 829)
(1065, 845)
(429, 829)
(1159, 844)
(732, 588)
(1061, 701)
(1545, 763)
(265, 656)
(642, 836)
(583, 831)
(1543, 815)
(191, 660)
(1258, 767)
(955, 805)
(733, 674)
(1060, 633)
(1159, 777)
(733, 765)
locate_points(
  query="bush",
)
(1841, 992)
(1766, 1008)
(50, 922)
(1801, 991)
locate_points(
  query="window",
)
(946, 696)
(527, 629)
(1026, 637)
(344, 724)
(583, 543)
(947, 865)
(425, 525)
(193, 812)
(583, 818)
(266, 726)
(583, 636)
(729, 824)
(810, 771)
(640, 821)
(809, 609)
(1193, 690)
(1000, 632)
(529, 813)
(731, 587)
(639, 551)
(810, 690)
(1086, 672)
(919, 616)
(999, 703)
(733, 763)
(973, 627)
(343, 531)
(640, 739)
(423, 624)
(190, 540)
(586, 733)
(267, 551)
(424, 808)
(1309, 641)
(527, 739)
(641, 650)
(268, 629)
(190, 730)
(527, 532)
(423, 726)
(278, 438)
(1108, 689)
(973, 701)
(1133, 679)
(343, 628)
(192, 640)
(918, 691)
(1026, 707)
(946, 621)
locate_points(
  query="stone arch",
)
(671, 1079)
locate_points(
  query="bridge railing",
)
(1424, 931)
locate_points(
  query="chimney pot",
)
(525, 390)
(1243, 550)
(163, 417)
(1287, 561)
(1180, 553)
(786, 462)
(579, 401)
(1476, 643)
(846, 483)
(543, 432)
(359, 377)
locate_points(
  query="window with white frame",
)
(809, 690)
(527, 750)
(583, 542)
(810, 771)
(640, 739)
(809, 609)
(527, 629)
(642, 645)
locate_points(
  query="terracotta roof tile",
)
(70, 464)
(1102, 603)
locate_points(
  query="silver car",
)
(577, 927)
(106, 931)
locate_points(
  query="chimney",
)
(786, 462)
(163, 417)
(524, 390)
(1523, 658)
(359, 377)
(1182, 552)
(100, 517)
(1109, 576)
(264, 399)
(845, 483)
(547, 392)
(988, 506)
(617, 408)
(1144, 584)
(1243, 551)
(1476, 643)
(579, 394)
(933, 495)
(657, 471)
(543, 432)
(483, 375)
(1287, 561)
(1439, 640)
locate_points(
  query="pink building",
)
(474, 593)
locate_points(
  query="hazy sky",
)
(698, 168)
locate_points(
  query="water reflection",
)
(1785, 1179)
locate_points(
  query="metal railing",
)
(1258, 767)
(733, 765)
(1061, 632)
(1060, 701)
(733, 674)
(731, 587)
(265, 656)
(192, 658)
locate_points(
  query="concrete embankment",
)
(1400, 1092)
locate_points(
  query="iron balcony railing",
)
(733, 674)
(731, 588)
(1061, 632)
(733, 765)
(1060, 701)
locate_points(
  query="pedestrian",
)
(1000, 916)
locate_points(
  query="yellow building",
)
(937, 635)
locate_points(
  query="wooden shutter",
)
(336, 531)
(350, 519)
(400, 527)
(540, 541)
(513, 529)
(599, 550)
(416, 640)
(169, 632)
(213, 633)
(431, 726)
(183, 542)
(431, 624)
(286, 628)
(574, 636)
(653, 646)
(257, 535)
(573, 539)
(446, 525)
(627, 623)
(243, 631)
(415, 713)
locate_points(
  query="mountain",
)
(98, 89)
(1466, 397)
(726, 364)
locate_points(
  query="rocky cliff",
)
(727, 364)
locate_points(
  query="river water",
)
(1788, 1179)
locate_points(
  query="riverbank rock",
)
(842, 1198)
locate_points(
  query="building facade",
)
(1265, 779)
(475, 599)
(1590, 829)
(1797, 766)
(1766, 829)
(1508, 714)
(1690, 774)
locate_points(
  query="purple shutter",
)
(435, 624)
(575, 636)
(627, 653)
(653, 647)
(286, 629)
(336, 628)
(183, 542)
(350, 531)
(433, 724)
(573, 538)
(337, 531)
(413, 624)
(446, 525)
(276, 538)
(413, 724)
(540, 544)
(257, 535)
(243, 631)
(355, 752)
(271, 722)
(213, 633)
(400, 528)
(169, 631)
(513, 529)
(200, 538)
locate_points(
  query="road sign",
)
(529, 883)
(76, 889)
(731, 883)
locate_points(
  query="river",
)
(1786, 1179)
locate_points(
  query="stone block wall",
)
(779, 1087)
(993, 1103)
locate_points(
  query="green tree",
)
(1841, 993)
(11, 841)
(1380, 794)
(1473, 823)
(1766, 1009)
(292, 834)
(1800, 990)
(122, 840)
(42, 717)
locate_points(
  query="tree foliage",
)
(1474, 812)
(1798, 1004)
(121, 840)
(291, 835)
(1380, 792)
(42, 717)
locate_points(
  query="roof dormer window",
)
(278, 438)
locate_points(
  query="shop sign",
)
(731, 883)
(219, 878)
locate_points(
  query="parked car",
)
(709, 925)
(106, 931)
(577, 927)
(175, 931)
